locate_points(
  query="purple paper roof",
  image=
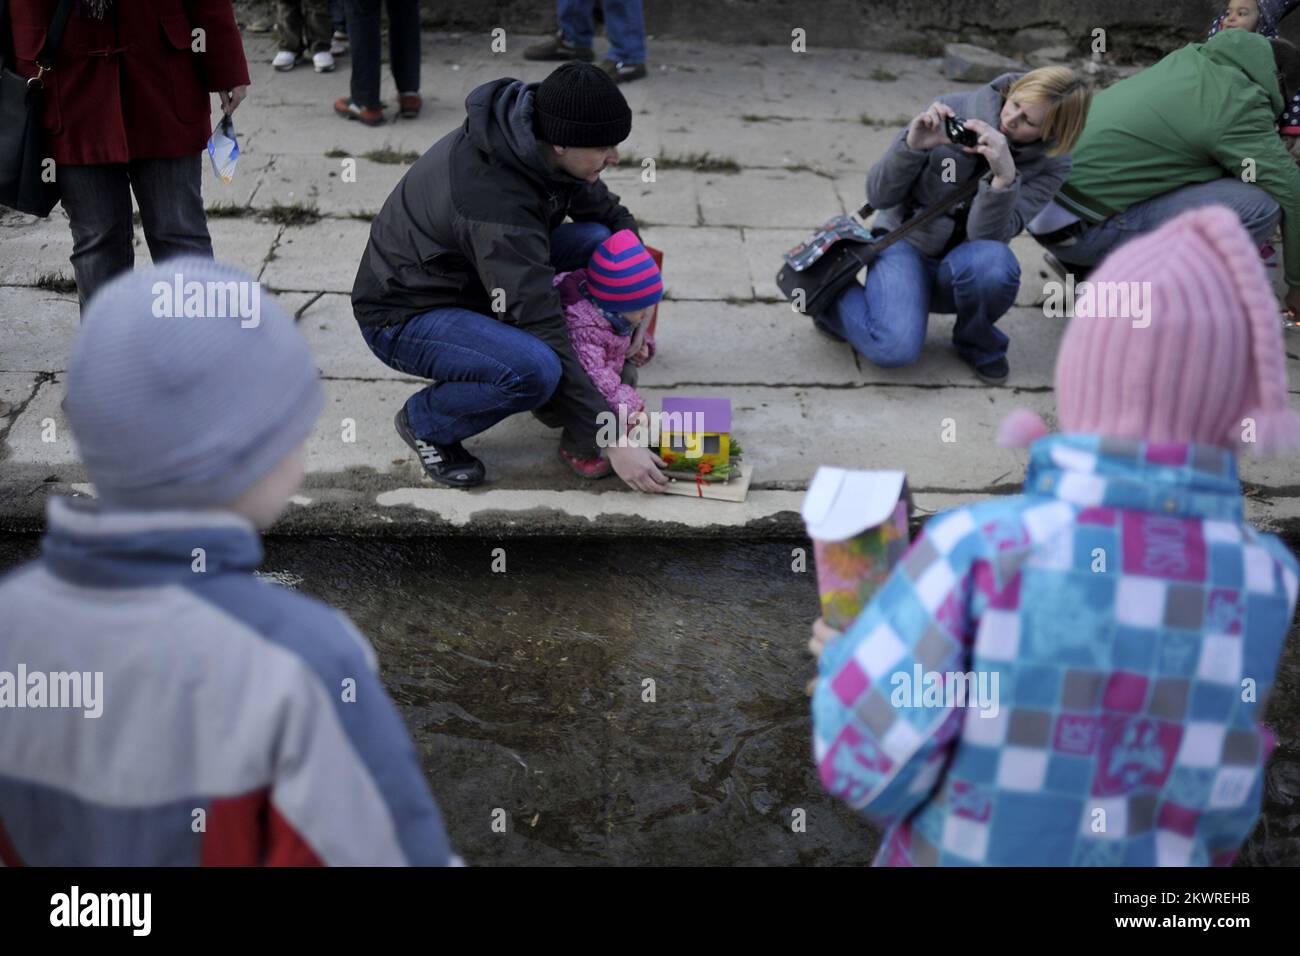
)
(716, 411)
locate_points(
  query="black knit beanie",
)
(579, 105)
(1287, 58)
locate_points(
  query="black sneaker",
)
(993, 373)
(446, 464)
(1065, 269)
(558, 48)
(621, 72)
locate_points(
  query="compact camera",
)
(958, 133)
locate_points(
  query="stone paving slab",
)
(767, 198)
(338, 186)
(242, 242)
(32, 443)
(336, 341)
(762, 343)
(43, 248)
(851, 188)
(763, 251)
(701, 263)
(832, 146)
(250, 172)
(32, 247)
(313, 131)
(16, 388)
(36, 329)
(321, 257)
(672, 199)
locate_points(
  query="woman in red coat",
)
(127, 107)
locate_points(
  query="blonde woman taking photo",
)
(1021, 128)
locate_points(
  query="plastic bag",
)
(223, 149)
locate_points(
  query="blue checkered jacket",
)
(1071, 676)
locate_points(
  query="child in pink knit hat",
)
(1116, 627)
(606, 308)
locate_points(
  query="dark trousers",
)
(98, 202)
(303, 25)
(403, 47)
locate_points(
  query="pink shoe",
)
(589, 468)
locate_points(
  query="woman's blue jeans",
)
(886, 320)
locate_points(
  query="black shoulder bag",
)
(22, 107)
(817, 271)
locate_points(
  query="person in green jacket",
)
(1198, 128)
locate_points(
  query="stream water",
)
(526, 694)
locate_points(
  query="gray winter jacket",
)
(907, 181)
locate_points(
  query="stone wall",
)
(1136, 30)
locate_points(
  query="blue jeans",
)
(1256, 209)
(886, 320)
(624, 23)
(483, 370)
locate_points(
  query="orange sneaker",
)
(349, 109)
(408, 105)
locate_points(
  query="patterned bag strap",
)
(916, 222)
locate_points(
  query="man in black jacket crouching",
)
(456, 283)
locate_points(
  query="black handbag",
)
(815, 272)
(23, 183)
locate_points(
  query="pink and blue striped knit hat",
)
(621, 276)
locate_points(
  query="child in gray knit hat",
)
(188, 388)
(218, 719)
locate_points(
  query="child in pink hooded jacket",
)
(606, 308)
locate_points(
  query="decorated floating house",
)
(695, 436)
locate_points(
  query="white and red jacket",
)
(239, 723)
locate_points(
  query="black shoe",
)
(621, 72)
(446, 464)
(558, 48)
(993, 373)
(1065, 269)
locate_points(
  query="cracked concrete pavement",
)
(801, 130)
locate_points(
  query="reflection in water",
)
(627, 701)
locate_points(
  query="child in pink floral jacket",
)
(606, 308)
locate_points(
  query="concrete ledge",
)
(435, 512)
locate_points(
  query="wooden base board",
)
(734, 490)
